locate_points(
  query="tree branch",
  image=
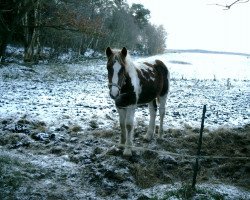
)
(65, 27)
(227, 7)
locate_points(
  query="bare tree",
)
(227, 7)
(31, 23)
(11, 14)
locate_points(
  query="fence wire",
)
(168, 153)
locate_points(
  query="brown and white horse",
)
(131, 85)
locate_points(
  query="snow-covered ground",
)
(59, 126)
(78, 93)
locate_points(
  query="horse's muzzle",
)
(114, 91)
(112, 96)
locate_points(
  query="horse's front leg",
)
(122, 119)
(130, 130)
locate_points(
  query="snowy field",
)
(78, 93)
(59, 127)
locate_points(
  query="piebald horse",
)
(131, 85)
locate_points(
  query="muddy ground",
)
(69, 163)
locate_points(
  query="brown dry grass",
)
(221, 142)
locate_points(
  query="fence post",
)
(196, 166)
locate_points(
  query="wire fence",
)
(186, 156)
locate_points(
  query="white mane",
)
(131, 70)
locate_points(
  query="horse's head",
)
(116, 70)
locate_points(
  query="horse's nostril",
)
(112, 97)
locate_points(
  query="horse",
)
(131, 85)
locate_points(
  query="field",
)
(59, 132)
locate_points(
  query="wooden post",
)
(196, 166)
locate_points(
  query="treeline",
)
(78, 25)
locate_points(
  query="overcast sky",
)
(194, 24)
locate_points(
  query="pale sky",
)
(194, 24)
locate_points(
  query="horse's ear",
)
(108, 52)
(124, 52)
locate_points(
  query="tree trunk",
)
(5, 33)
(32, 45)
(3, 45)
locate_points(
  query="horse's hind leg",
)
(152, 112)
(162, 102)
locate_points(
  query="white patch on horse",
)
(135, 81)
(115, 90)
(142, 67)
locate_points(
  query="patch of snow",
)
(66, 57)
(205, 66)
(14, 50)
(228, 191)
(90, 53)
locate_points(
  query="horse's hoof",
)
(127, 152)
(121, 146)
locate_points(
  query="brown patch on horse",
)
(149, 88)
(127, 96)
(154, 82)
(151, 82)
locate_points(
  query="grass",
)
(37, 126)
(65, 72)
(93, 124)
(76, 128)
(15, 173)
(20, 179)
(145, 177)
(220, 142)
(13, 180)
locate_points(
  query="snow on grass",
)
(78, 93)
(203, 191)
(205, 66)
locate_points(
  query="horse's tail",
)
(161, 65)
(163, 70)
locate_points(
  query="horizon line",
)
(206, 51)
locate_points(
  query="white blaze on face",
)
(114, 90)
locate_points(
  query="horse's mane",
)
(131, 70)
